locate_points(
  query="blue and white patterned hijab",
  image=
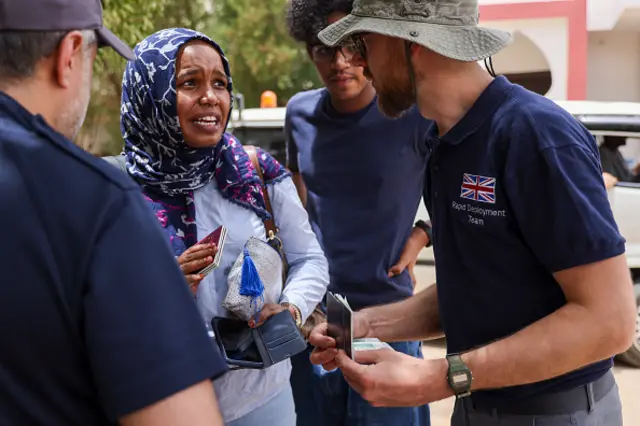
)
(158, 157)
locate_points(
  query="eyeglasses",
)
(358, 45)
(322, 53)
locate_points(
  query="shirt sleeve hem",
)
(164, 382)
(585, 258)
(299, 302)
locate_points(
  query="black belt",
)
(582, 398)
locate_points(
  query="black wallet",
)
(261, 347)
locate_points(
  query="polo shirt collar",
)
(480, 111)
(20, 115)
(12, 108)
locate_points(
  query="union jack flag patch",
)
(478, 188)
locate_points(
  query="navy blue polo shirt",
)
(364, 175)
(516, 194)
(96, 318)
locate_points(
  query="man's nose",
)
(340, 62)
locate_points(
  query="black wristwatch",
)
(427, 229)
(459, 376)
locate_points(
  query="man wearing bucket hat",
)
(98, 324)
(534, 293)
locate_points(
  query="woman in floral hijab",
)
(176, 104)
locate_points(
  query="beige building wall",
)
(613, 72)
(539, 45)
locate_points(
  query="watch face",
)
(460, 379)
(459, 376)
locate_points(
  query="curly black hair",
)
(306, 18)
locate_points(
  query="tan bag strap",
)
(269, 224)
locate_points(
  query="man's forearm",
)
(415, 318)
(562, 342)
(425, 236)
(421, 236)
(194, 406)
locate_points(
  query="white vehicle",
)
(264, 127)
(620, 119)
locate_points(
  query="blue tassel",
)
(250, 284)
(257, 307)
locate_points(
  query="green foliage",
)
(132, 21)
(253, 34)
(262, 54)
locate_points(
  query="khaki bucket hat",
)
(448, 27)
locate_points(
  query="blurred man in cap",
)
(98, 325)
(529, 256)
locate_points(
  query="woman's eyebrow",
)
(193, 71)
(189, 72)
(220, 73)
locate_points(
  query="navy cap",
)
(60, 15)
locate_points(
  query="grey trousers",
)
(605, 412)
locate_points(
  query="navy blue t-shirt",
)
(96, 319)
(516, 194)
(364, 175)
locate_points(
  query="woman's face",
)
(203, 98)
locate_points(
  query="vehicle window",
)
(619, 156)
(271, 139)
(631, 151)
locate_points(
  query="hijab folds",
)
(158, 158)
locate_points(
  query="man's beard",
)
(396, 97)
(71, 119)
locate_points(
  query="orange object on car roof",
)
(268, 99)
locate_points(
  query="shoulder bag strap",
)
(269, 224)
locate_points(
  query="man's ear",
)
(68, 58)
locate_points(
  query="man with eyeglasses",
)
(360, 175)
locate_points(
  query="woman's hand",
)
(269, 310)
(193, 259)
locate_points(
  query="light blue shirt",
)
(242, 391)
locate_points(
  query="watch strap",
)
(297, 315)
(459, 376)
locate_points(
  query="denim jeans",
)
(324, 398)
(278, 411)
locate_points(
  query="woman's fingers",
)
(198, 251)
(194, 281)
(195, 265)
(269, 310)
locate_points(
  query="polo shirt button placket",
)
(436, 169)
